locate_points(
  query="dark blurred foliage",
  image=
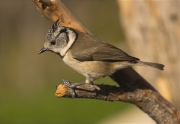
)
(28, 80)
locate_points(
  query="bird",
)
(88, 55)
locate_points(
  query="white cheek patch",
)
(72, 37)
(56, 50)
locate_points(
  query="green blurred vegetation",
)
(28, 80)
(44, 108)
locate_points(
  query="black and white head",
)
(59, 39)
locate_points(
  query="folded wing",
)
(89, 48)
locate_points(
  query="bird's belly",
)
(94, 69)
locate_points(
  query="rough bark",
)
(133, 88)
(152, 29)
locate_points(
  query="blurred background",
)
(28, 80)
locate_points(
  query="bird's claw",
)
(72, 86)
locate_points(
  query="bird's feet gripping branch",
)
(74, 87)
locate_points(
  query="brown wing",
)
(89, 48)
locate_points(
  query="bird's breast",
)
(88, 68)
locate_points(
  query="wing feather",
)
(89, 48)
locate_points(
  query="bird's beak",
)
(42, 50)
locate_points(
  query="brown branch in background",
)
(54, 10)
(134, 89)
(157, 30)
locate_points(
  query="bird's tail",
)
(154, 65)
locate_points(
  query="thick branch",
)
(147, 100)
(134, 89)
(106, 92)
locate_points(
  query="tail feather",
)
(154, 65)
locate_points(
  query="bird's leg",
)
(95, 88)
(89, 81)
(67, 83)
(73, 86)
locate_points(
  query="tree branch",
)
(136, 91)
(54, 10)
(133, 88)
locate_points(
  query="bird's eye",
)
(53, 42)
